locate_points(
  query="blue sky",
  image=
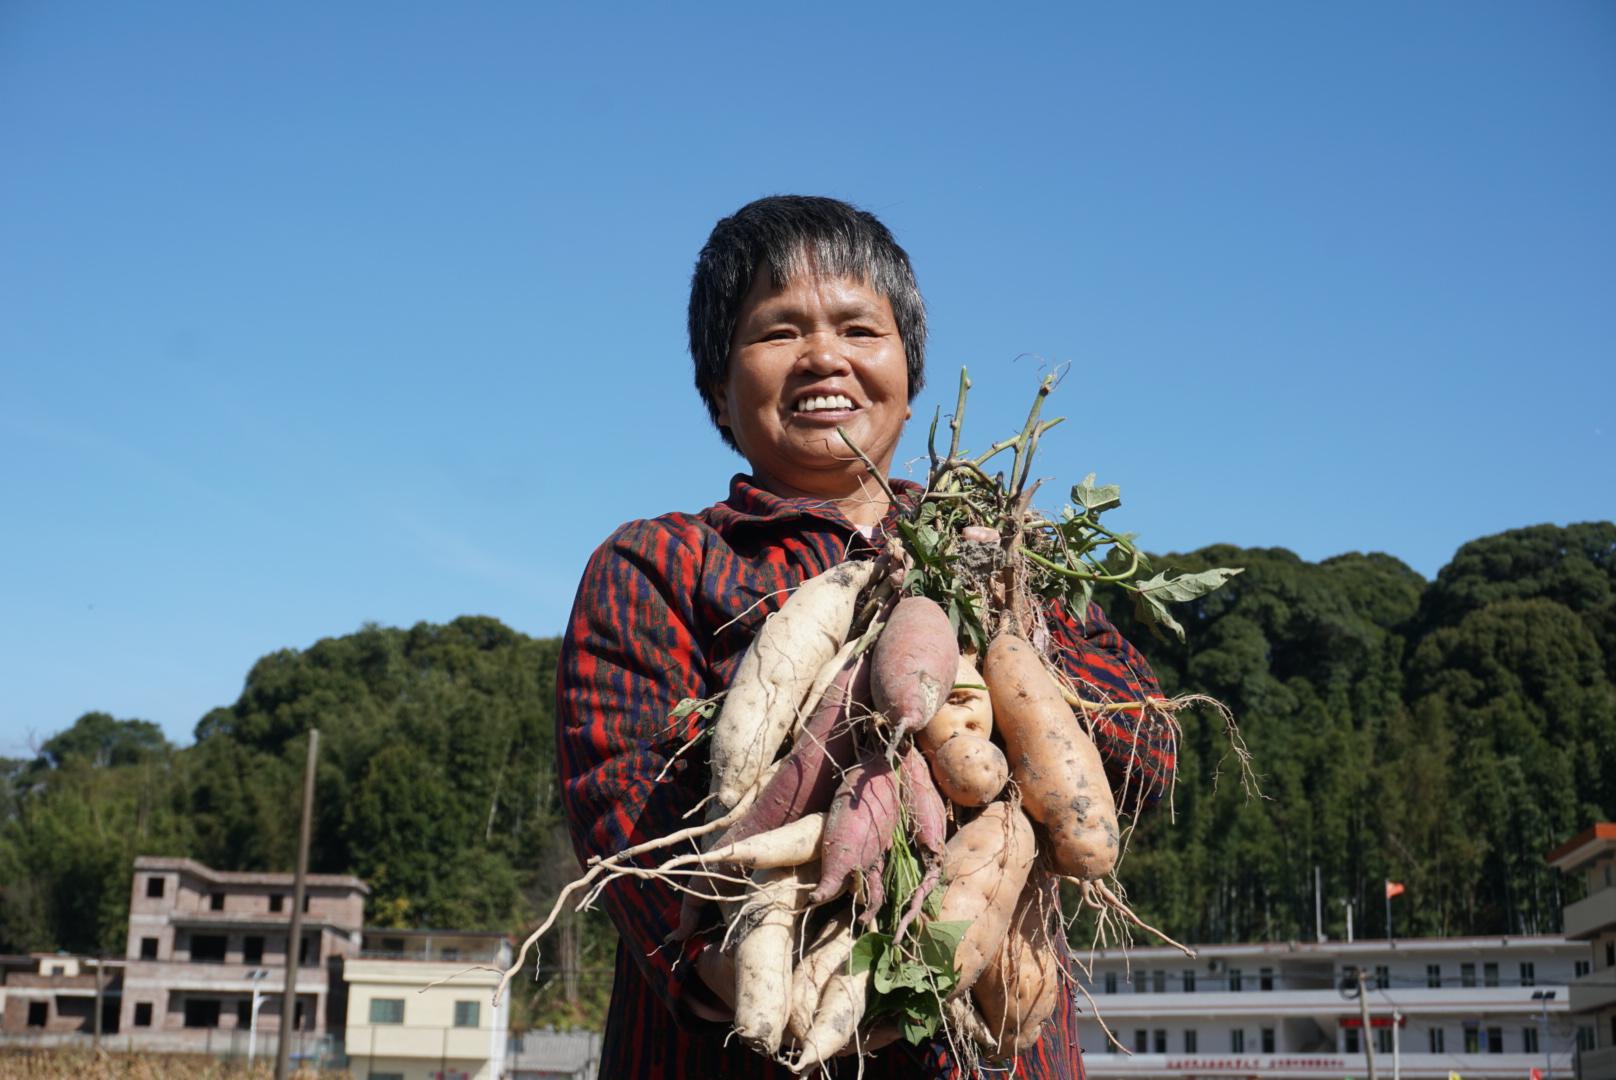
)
(318, 314)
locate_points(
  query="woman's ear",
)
(720, 397)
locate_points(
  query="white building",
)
(1480, 1007)
(402, 1027)
(1592, 854)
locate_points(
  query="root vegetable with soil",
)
(876, 874)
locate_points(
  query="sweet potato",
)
(776, 673)
(969, 771)
(763, 956)
(985, 865)
(858, 830)
(928, 822)
(928, 818)
(1053, 761)
(841, 1007)
(1021, 986)
(791, 844)
(914, 664)
(807, 777)
(966, 711)
(824, 959)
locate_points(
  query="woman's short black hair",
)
(789, 234)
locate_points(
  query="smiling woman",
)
(804, 319)
(810, 356)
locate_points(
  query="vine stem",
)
(1028, 437)
(1079, 575)
(891, 495)
(958, 418)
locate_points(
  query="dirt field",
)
(82, 1065)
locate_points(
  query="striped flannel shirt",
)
(665, 611)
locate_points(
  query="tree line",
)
(1443, 734)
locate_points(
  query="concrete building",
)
(403, 1027)
(54, 998)
(1480, 1007)
(1592, 856)
(206, 946)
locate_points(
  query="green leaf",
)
(966, 604)
(1096, 500)
(1118, 559)
(693, 705)
(938, 943)
(918, 1031)
(1185, 586)
(866, 951)
(1152, 611)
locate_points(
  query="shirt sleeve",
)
(628, 658)
(1139, 745)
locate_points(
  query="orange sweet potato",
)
(1053, 760)
(985, 866)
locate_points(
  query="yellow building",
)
(401, 1027)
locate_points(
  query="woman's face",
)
(816, 354)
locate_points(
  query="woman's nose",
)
(822, 354)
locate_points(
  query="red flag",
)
(1393, 888)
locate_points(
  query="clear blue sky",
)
(315, 314)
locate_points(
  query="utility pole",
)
(1397, 1045)
(1363, 1011)
(1543, 997)
(100, 963)
(294, 935)
(1318, 905)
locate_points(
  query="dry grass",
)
(84, 1065)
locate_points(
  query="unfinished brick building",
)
(206, 945)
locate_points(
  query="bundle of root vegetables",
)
(903, 776)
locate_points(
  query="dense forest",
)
(1443, 734)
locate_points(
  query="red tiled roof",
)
(1604, 830)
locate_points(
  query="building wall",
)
(186, 892)
(415, 1022)
(1291, 1009)
(193, 905)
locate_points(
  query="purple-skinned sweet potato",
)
(914, 664)
(807, 778)
(858, 829)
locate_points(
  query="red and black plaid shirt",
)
(665, 611)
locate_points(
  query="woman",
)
(804, 317)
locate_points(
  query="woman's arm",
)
(629, 657)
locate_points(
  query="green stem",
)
(1024, 443)
(931, 439)
(1081, 575)
(892, 496)
(959, 416)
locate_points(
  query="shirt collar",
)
(749, 505)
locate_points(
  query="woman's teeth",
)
(830, 401)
